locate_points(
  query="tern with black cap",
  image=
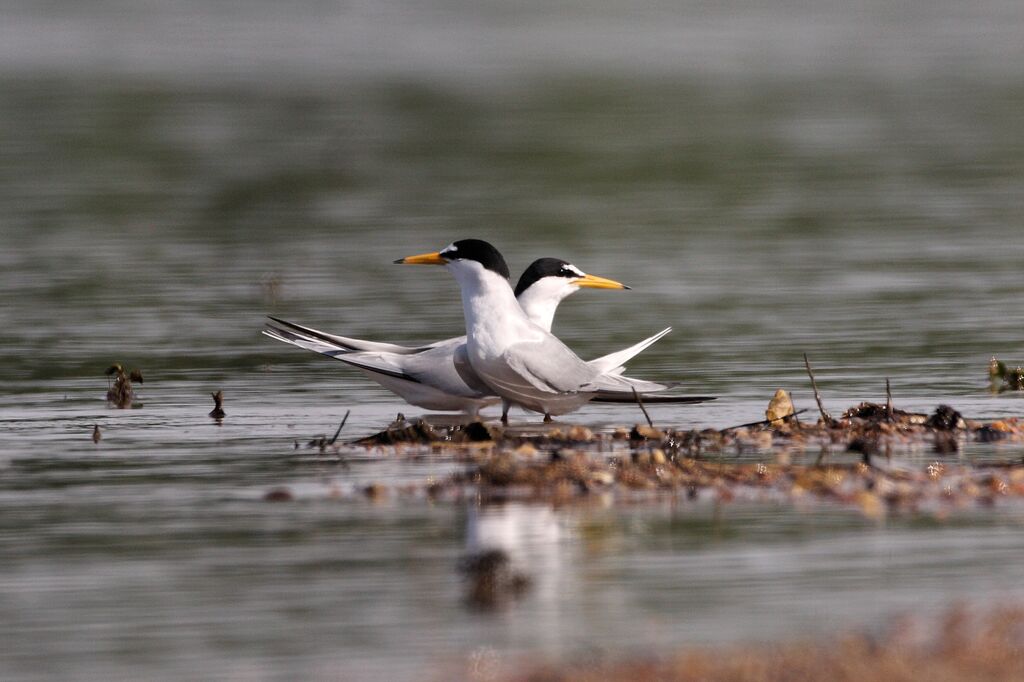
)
(516, 358)
(438, 376)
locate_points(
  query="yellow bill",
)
(595, 282)
(433, 258)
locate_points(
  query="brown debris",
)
(780, 408)
(565, 463)
(120, 392)
(422, 432)
(218, 406)
(1004, 378)
(96, 435)
(945, 419)
(874, 412)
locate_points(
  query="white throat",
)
(494, 319)
(542, 298)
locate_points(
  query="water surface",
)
(837, 180)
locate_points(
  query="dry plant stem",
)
(340, 427)
(766, 422)
(817, 396)
(642, 408)
(888, 400)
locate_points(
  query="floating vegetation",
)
(120, 391)
(1004, 378)
(956, 645)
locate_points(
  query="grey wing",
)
(433, 367)
(436, 367)
(549, 366)
(460, 358)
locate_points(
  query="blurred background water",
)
(841, 179)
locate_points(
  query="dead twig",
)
(889, 414)
(340, 427)
(765, 422)
(817, 396)
(642, 408)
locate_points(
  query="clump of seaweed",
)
(1004, 378)
(120, 391)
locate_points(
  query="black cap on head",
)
(546, 267)
(478, 250)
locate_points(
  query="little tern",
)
(520, 360)
(437, 376)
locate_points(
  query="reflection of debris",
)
(375, 491)
(957, 645)
(121, 393)
(271, 287)
(278, 495)
(492, 582)
(870, 485)
(218, 406)
(96, 435)
(1004, 378)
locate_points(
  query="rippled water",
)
(832, 179)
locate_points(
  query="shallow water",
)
(836, 180)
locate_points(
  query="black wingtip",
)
(649, 398)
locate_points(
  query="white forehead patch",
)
(451, 248)
(573, 269)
